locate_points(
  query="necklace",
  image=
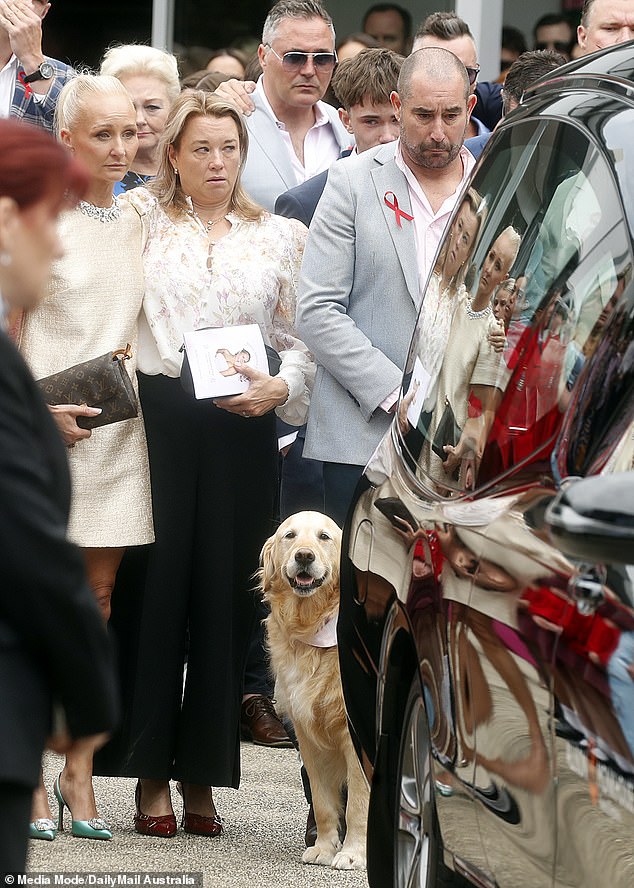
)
(477, 314)
(101, 214)
(209, 224)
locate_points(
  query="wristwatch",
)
(44, 72)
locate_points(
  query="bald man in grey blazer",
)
(371, 245)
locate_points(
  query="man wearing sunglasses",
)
(554, 32)
(293, 135)
(448, 31)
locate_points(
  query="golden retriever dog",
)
(300, 580)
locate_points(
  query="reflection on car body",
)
(487, 656)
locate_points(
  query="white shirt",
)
(8, 77)
(320, 144)
(429, 226)
(249, 277)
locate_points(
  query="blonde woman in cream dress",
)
(94, 299)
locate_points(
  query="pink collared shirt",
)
(429, 226)
(320, 144)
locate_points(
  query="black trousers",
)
(340, 481)
(15, 813)
(214, 479)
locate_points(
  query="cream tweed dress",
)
(94, 298)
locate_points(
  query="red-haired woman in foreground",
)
(53, 645)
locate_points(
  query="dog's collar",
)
(326, 637)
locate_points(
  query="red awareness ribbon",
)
(28, 92)
(393, 205)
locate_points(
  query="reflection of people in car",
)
(446, 283)
(496, 266)
(503, 304)
(594, 662)
(471, 364)
(571, 218)
(500, 646)
(229, 364)
(596, 403)
(464, 563)
(620, 669)
(544, 364)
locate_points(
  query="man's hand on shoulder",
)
(238, 93)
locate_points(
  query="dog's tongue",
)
(303, 579)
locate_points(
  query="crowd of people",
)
(136, 208)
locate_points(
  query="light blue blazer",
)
(358, 303)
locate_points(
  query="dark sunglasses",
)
(472, 74)
(557, 45)
(295, 61)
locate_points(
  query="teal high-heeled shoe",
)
(43, 828)
(95, 828)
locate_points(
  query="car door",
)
(484, 438)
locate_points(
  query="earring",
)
(175, 171)
(5, 259)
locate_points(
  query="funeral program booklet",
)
(216, 356)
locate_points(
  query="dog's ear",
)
(267, 564)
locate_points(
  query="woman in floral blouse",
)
(212, 258)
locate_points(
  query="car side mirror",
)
(593, 518)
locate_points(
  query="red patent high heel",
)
(199, 824)
(161, 825)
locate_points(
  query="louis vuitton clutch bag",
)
(101, 382)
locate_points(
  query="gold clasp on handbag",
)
(122, 354)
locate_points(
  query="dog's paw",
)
(320, 855)
(349, 859)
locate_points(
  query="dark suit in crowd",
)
(301, 201)
(54, 650)
(488, 108)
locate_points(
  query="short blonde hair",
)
(167, 186)
(83, 91)
(131, 59)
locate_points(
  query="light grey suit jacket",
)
(268, 171)
(357, 306)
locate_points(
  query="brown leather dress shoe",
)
(260, 724)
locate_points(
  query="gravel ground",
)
(261, 845)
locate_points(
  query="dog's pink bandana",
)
(326, 637)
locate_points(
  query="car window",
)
(530, 272)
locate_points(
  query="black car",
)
(486, 631)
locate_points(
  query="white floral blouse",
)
(248, 277)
